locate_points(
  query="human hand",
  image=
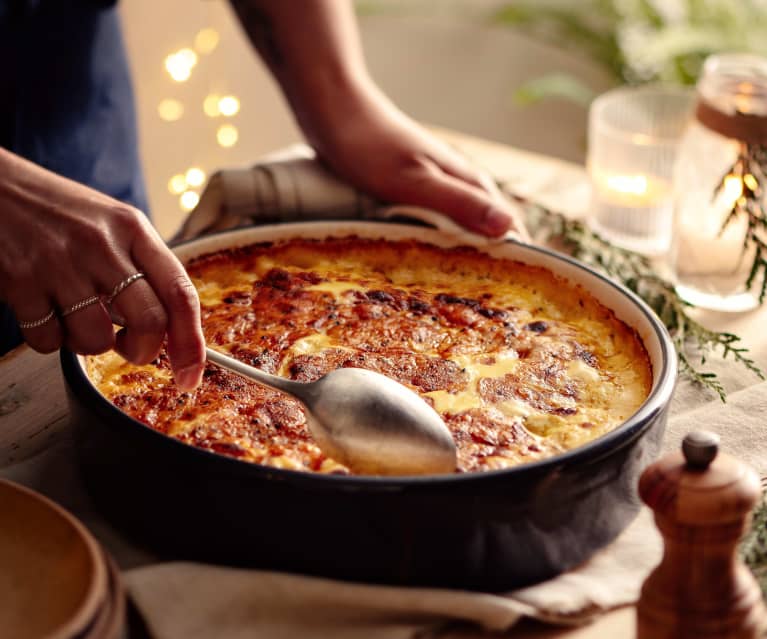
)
(380, 150)
(314, 51)
(65, 247)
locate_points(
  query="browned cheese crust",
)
(520, 363)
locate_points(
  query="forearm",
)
(313, 49)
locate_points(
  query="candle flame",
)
(631, 184)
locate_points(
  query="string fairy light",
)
(210, 105)
(170, 110)
(206, 40)
(227, 135)
(229, 105)
(177, 184)
(189, 200)
(179, 65)
(195, 176)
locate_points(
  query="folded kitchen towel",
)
(287, 186)
(292, 185)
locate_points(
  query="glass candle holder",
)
(720, 231)
(634, 135)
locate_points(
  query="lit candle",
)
(626, 190)
(633, 210)
(710, 241)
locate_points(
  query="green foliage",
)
(637, 41)
(552, 85)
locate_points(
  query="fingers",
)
(72, 316)
(458, 167)
(176, 293)
(64, 246)
(87, 327)
(144, 320)
(468, 204)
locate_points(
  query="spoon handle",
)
(273, 381)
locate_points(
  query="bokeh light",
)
(179, 64)
(195, 176)
(188, 200)
(206, 40)
(229, 105)
(177, 184)
(170, 110)
(227, 135)
(187, 56)
(210, 105)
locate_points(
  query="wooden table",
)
(33, 409)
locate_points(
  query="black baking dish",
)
(494, 530)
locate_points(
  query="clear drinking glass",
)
(634, 135)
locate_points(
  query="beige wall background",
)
(441, 66)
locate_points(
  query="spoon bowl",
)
(364, 420)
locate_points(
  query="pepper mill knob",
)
(700, 448)
(702, 501)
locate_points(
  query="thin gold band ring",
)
(123, 285)
(39, 322)
(78, 306)
(88, 301)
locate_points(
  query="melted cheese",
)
(515, 408)
(519, 363)
(581, 371)
(337, 289)
(309, 345)
(446, 402)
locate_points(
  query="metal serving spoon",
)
(364, 420)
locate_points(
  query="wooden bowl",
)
(53, 577)
(110, 620)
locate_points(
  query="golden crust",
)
(520, 363)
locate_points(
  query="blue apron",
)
(66, 101)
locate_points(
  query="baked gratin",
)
(520, 363)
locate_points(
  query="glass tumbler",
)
(633, 137)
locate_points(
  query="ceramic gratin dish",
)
(493, 530)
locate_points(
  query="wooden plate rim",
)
(97, 591)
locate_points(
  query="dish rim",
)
(655, 403)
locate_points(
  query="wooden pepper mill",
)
(701, 589)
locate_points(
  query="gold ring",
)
(78, 306)
(39, 322)
(123, 285)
